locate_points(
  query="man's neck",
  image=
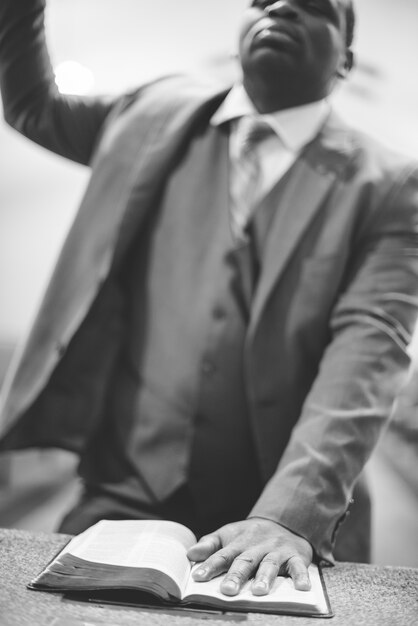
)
(268, 100)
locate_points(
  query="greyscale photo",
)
(209, 300)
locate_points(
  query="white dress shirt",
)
(293, 129)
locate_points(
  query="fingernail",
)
(202, 571)
(260, 585)
(230, 585)
(304, 582)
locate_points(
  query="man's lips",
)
(268, 32)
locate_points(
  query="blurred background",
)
(111, 45)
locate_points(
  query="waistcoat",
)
(177, 410)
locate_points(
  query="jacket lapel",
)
(129, 170)
(323, 163)
(176, 123)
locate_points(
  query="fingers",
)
(240, 566)
(205, 547)
(267, 573)
(239, 572)
(275, 563)
(216, 564)
(298, 572)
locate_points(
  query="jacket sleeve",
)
(67, 125)
(362, 370)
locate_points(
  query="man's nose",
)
(283, 8)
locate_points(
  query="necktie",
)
(245, 174)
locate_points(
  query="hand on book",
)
(252, 547)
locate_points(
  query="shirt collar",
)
(295, 126)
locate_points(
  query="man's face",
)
(294, 45)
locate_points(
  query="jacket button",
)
(60, 349)
(208, 367)
(266, 402)
(219, 313)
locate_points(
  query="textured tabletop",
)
(359, 594)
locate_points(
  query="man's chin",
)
(266, 61)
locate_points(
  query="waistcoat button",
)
(208, 367)
(219, 313)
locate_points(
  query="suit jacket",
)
(336, 302)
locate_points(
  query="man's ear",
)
(348, 65)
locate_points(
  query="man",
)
(229, 371)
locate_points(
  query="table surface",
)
(359, 594)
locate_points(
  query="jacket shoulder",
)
(166, 93)
(370, 157)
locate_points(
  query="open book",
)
(136, 556)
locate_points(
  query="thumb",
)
(206, 546)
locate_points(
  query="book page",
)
(283, 593)
(159, 545)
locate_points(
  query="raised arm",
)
(67, 125)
